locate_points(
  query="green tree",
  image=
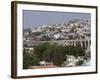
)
(29, 59)
(56, 53)
(75, 51)
(59, 55)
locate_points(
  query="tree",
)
(40, 49)
(51, 53)
(29, 59)
(56, 53)
(48, 53)
(59, 55)
(75, 51)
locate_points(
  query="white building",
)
(70, 61)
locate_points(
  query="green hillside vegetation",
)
(50, 53)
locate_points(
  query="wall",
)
(5, 41)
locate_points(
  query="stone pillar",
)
(88, 43)
(70, 42)
(74, 43)
(66, 43)
(85, 43)
(81, 43)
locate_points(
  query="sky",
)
(33, 18)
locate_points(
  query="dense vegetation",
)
(50, 53)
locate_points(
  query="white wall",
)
(5, 41)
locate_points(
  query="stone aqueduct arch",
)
(83, 43)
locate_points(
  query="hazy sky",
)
(33, 18)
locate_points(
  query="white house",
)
(70, 61)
